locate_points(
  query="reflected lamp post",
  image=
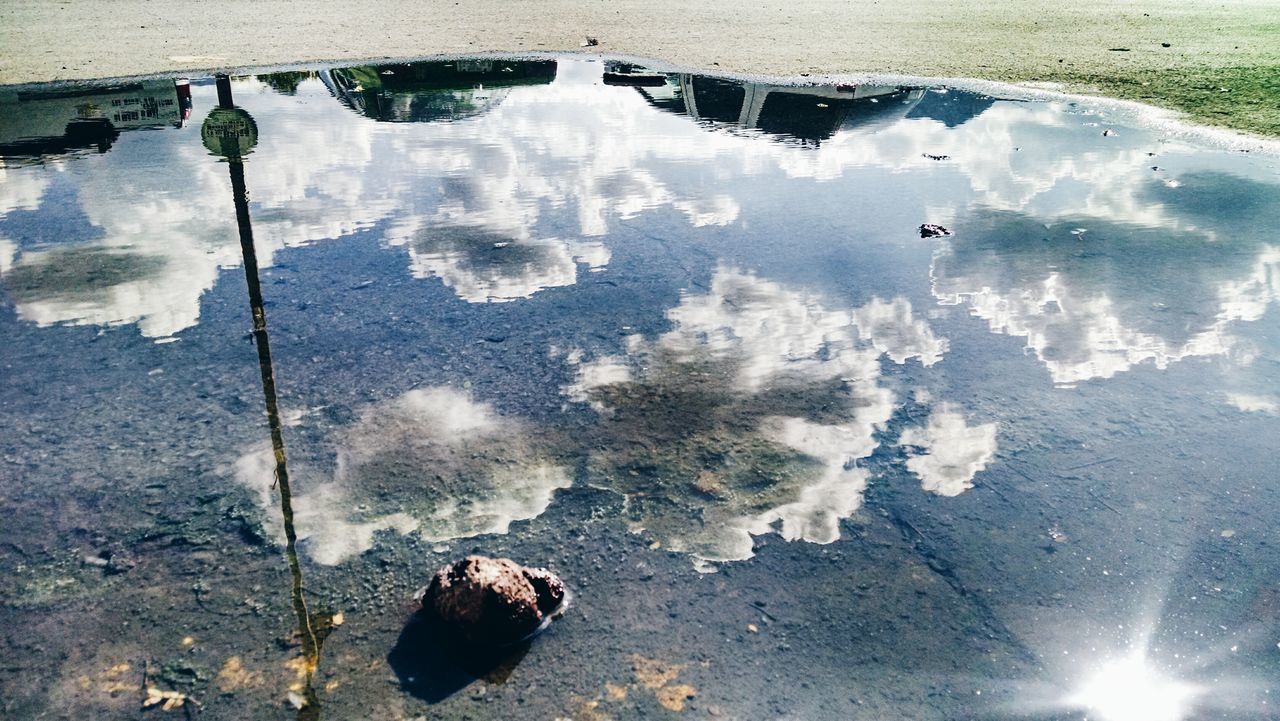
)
(231, 133)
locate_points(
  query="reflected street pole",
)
(231, 133)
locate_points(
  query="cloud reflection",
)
(482, 266)
(432, 461)
(750, 416)
(950, 451)
(1077, 300)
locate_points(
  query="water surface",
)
(675, 337)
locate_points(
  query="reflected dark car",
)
(806, 113)
(433, 91)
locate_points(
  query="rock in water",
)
(930, 230)
(493, 600)
(548, 586)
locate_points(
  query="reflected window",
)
(803, 116)
(719, 100)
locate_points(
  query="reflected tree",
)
(286, 82)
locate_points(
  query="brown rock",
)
(493, 600)
(548, 586)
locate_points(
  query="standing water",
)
(677, 338)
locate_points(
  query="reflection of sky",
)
(951, 452)
(443, 465)
(537, 181)
(1053, 223)
(739, 374)
(696, 307)
(1095, 299)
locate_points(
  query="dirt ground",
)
(1217, 61)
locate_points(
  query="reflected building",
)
(35, 124)
(433, 91)
(809, 114)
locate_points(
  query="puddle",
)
(677, 338)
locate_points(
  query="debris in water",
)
(936, 157)
(166, 700)
(494, 600)
(1108, 133)
(932, 230)
(296, 700)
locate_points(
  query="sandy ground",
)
(1213, 49)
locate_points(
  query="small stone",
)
(931, 230)
(590, 42)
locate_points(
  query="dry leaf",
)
(166, 700)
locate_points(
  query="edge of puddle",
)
(1173, 124)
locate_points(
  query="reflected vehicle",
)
(432, 91)
(59, 120)
(810, 114)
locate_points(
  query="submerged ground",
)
(676, 337)
(1219, 62)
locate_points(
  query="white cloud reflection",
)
(1253, 403)
(21, 188)
(737, 377)
(1083, 331)
(950, 452)
(318, 173)
(451, 467)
